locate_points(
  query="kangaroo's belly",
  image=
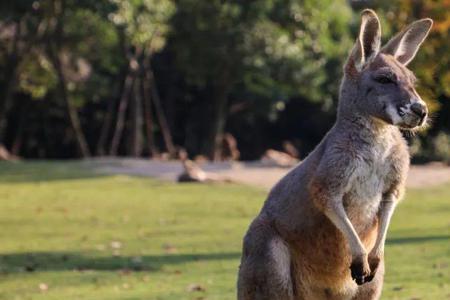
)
(364, 193)
(322, 258)
(362, 210)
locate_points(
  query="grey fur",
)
(321, 232)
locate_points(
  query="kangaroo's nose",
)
(419, 109)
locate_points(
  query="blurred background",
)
(146, 78)
(105, 104)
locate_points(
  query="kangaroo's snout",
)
(420, 110)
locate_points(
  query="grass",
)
(68, 234)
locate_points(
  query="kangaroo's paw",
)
(360, 269)
(374, 262)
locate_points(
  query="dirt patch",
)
(255, 174)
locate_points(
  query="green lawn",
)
(67, 234)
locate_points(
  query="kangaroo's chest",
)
(367, 184)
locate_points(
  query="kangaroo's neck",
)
(363, 126)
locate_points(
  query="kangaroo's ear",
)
(367, 45)
(405, 44)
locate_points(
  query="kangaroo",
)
(322, 229)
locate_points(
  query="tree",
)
(145, 26)
(142, 77)
(271, 49)
(11, 51)
(55, 62)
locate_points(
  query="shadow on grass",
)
(417, 239)
(41, 171)
(60, 261)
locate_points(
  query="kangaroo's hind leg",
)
(265, 271)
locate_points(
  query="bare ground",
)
(256, 173)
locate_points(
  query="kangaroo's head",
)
(377, 82)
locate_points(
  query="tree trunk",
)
(147, 104)
(6, 96)
(123, 104)
(217, 125)
(107, 122)
(165, 130)
(71, 109)
(106, 127)
(18, 139)
(54, 45)
(136, 114)
(9, 80)
(218, 117)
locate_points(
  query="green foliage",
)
(145, 21)
(274, 49)
(437, 148)
(97, 40)
(36, 75)
(224, 65)
(91, 237)
(441, 147)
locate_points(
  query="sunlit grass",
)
(67, 234)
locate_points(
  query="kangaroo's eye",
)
(384, 79)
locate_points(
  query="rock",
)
(278, 159)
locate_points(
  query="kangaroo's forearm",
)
(328, 199)
(386, 211)
(336, 213)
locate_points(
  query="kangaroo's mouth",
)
(415, 124)
(412, 115)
